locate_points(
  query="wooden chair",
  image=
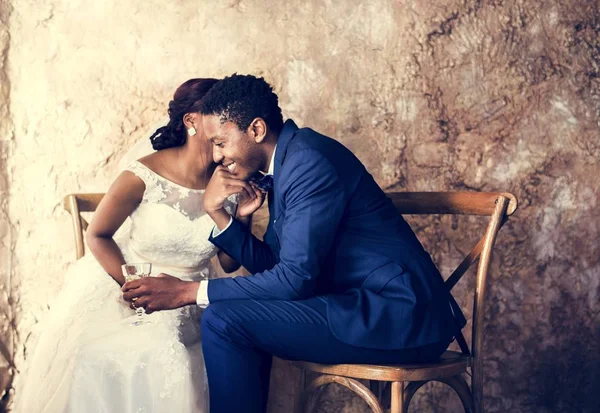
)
(76, 204)
(408, 378)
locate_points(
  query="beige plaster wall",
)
(431, 95)
(7, 322)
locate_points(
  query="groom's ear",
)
(258, 130)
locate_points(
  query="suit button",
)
(274, 221)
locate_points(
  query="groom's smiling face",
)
(237, 150)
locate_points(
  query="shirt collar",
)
(271, 169)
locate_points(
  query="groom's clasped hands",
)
(224, 184)
(165, 292)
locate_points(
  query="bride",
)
(89, 357)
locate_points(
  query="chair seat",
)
(450, 364)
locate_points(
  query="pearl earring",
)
(192, 131)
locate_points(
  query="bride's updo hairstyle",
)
(186, 99)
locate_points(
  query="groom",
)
(339, 278)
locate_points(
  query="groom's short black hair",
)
(242, 98)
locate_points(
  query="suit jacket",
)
(333, 232)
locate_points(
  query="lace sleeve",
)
(154, 192)
(231, 204)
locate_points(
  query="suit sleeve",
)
(241, 245)
(314, 199)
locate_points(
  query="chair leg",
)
(397, 397)
(409, 392)
(458, 384)
(357, 387)
(461, 388)
(300, 396)
(477, 390)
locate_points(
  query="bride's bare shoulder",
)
(156, 160)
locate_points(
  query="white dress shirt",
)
(202, 295)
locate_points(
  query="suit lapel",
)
(286, 135)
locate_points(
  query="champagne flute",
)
(133, 272)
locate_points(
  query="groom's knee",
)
(219, 321)
(211, 322)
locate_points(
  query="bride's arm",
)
(122, 198)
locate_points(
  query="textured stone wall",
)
(498, 95)
(7, 323)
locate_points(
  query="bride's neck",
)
(194, 165)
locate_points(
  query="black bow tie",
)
(263, 182)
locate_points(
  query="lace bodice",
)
(170, 227)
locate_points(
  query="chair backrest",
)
(76, 204)
(497, 206)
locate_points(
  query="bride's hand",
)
(248, 206)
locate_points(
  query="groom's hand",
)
(221, 186)
(248, 206)
(163, 292)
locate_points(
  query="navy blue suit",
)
(336, 254)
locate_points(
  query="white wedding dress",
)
(90, 359)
